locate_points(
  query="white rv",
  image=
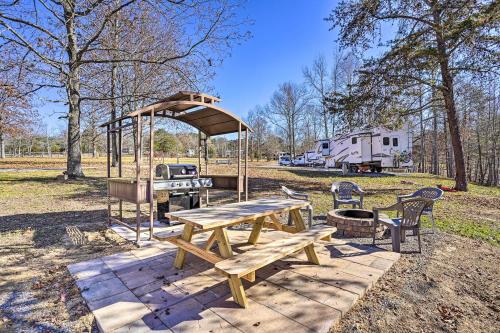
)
(284, 159)
(370, 149)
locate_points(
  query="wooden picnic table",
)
(216, 219)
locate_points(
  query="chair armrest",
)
(299, 196)
(404, 196)
(396, 206)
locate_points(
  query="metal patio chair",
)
(299, 196)
(432, 193)
(342, 194)
(411, 210)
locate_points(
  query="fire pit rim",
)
(336, 213)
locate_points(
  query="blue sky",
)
(286, 36)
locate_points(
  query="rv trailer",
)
(370, 149)
(284, 159)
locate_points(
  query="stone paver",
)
(103, 289)
(191, 316)
(87, 269)
(256, 318)
(314, 315)
(141, 291)
(118, 311)
(148, 323)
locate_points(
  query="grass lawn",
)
(36, 210)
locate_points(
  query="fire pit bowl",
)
(353, 222)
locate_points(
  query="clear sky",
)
(286, 36)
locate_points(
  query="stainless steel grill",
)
(178, 187)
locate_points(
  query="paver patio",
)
(141, 291)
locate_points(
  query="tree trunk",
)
(449, 101)
(114, 149)
(325, 119)
(434, 158)
(421, 167)
(74, 155)
(2, 146)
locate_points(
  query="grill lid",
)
(176, 171)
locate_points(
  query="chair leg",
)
(419, 244)
(396, 239)
(310, 221)
(431, 217)
(374, 231)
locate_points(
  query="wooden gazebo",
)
(196, 109)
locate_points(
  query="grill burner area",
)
(178, 185)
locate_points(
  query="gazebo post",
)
(138, 179)
(108, 170)
(239, 162)
(246, 164)
(199, 152)
(108, 165)
(206, 155)
(151, 179)
(120, 169)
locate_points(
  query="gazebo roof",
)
(193, 108)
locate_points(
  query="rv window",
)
(325, 145)
(385, 141)
(395, 142)
(354, 141)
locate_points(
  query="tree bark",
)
(449, 101)
(2, 146)
(421, 167)
(74, 154)
(434, 158)
(114, 151)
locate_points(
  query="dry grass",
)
(39, 217)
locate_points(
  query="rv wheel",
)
(354, 169)
(379, 169)
(373, 169)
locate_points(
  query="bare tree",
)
(286, 109)
(64, 37)
(257, 121)
(318, 79)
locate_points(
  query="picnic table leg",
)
(187, 234)
(311, 254)
(210, 242)
(299, 223)
(237, 291)
(224, 245)
(257, 227)
(297, 219)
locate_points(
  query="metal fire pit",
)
(354, 222)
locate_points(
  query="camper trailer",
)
(284, 159)
(370, 149)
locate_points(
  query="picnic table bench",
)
(261, 213)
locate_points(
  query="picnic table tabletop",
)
(229, 214)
